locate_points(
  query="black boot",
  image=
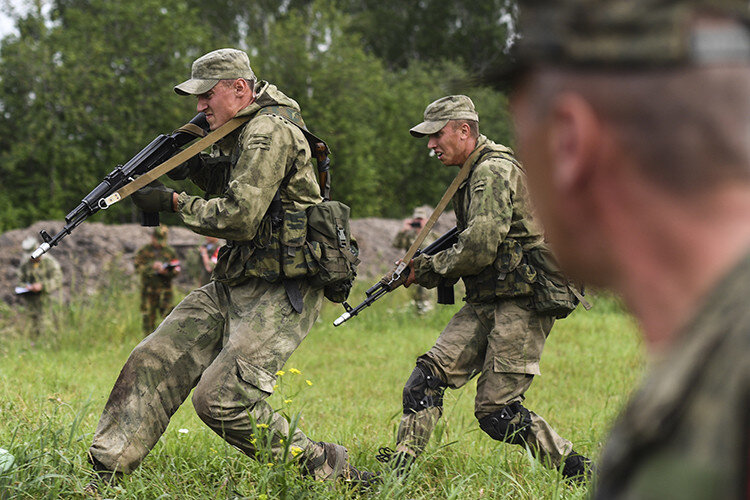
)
(577, 467)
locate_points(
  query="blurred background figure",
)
(157, 265)
(422, 298)
(39, 286)
(209, 252)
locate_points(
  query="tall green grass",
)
(343, 385)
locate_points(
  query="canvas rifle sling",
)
(460, 178)
(174, 161)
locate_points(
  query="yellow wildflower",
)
(262, 426)
(295, 450)
(308, 382)
(287, 401)
(280, 373)
(295, 371)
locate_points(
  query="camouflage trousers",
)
(227, 342)
(502, 342)
(39, 308)
(155, 303)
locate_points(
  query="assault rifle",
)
(157, 152)
(445, 295)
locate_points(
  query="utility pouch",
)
(552, 294)
(299, 257)
(328, 231)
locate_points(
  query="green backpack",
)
(317, 242)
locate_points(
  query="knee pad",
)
(511, 424)
(423, 390)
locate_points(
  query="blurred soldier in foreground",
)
(209, 253)
(421, 297)
(39, 286)
(508, 273)
(633, 122)
(157, 265)
(229, 339)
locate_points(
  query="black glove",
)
(182, 171)
(154, 197)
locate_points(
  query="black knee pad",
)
(423, 390)
(511, 424)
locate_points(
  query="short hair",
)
(473, 126)
(686, 127)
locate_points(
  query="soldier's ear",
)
(575, 135)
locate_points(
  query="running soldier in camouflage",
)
(227, 340)
(500, 332)
(157, 265)
(421, 297)
(632, 120)
(40, 286)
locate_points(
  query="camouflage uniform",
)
(421, 297)
(498, 334)
(156, 288)
(685, 431)
(45, 270)
(229, 338)
(684, 434)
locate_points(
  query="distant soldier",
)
(157, 265)
(40, 285)
(209, 251)
(421, 297)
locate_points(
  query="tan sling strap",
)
(175, 161)
(460, 177)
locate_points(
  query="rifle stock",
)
(379, 289)
(159, 150)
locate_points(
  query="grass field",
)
(52, 393)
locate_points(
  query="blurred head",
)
(159, 235)
(613, 96)
(452, 125)
(223, 82)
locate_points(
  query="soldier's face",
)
(449, 145)
(220, 104)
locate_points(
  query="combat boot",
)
(399, 461)
(99, 481)
(577, 467)
(333, 463)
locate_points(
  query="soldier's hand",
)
(393, 281)
(154, 197)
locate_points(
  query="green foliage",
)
(88, 83)
(342, 385)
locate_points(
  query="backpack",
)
(317, 242)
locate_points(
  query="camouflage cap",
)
(161, 233)
(422, 212)
(630, 33)
(440, 112)
(222, 64)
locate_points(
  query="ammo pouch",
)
(509, 276)
(552, 294)
(331, 244)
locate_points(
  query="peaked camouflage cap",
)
(161, 233)
(440, 112)
(222, 64)
(630, 33)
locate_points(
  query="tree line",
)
(85, 84)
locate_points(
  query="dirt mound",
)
(95, 253)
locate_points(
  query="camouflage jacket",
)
(406, 237)
(685, 432)
(497, 228)
(144, 265)
(261, 154)
(46, 271)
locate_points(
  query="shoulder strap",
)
(318, 147)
